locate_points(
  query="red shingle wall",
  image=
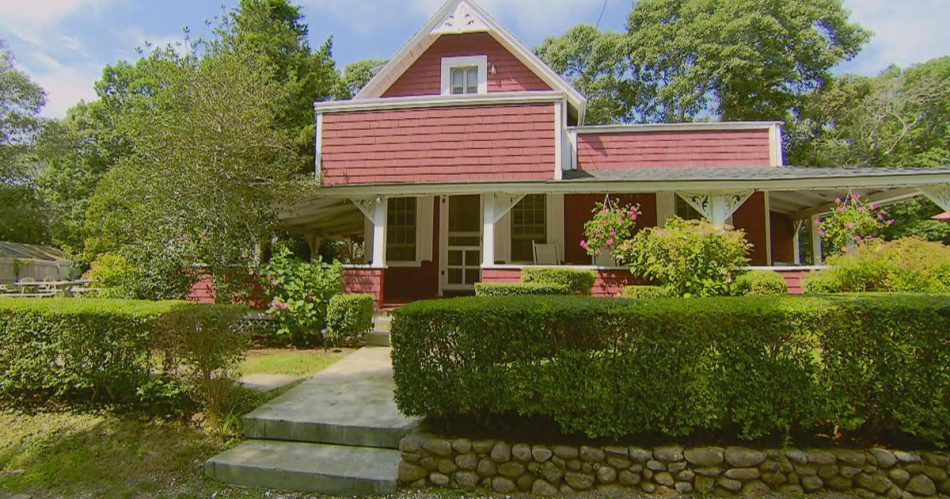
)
(673, 149)
(424, 77)
(365, 281)
(451, 144)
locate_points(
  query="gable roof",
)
(466, 16)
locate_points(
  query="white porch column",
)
(716, 207)
(488, 230)
(815, 241)
(797, 241)
(380, 216)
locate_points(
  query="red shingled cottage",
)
(466, 159)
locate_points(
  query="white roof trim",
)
(677, 127)
(476, 19)
(437, 101)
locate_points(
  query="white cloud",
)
(66, 86)
(138, 39)
(905, 32)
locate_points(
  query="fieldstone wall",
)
(428, 460)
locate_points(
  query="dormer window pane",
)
(465, 80)
(471, 80)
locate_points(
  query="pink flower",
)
(610, 242)
(890, 222)
(604, 211)
(849, 225)
(817, 222)
(841, 209)
(821, 232)
(856, 197)
(874, 206)
(880, 216)
(613, 233)
(604, 223)
(585, 245)
(858, 238)
(279, 305)
(597, 231)
(631, 213)
(839, 200)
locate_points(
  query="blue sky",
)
(63, 44)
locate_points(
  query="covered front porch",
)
(412, 242)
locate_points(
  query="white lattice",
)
(716, 207)
(940, 194)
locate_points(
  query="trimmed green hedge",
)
(647, 292)
(579, 282)
(751, 365)
(108, 351)
(349, 317)
(520, 289)
(760, 283)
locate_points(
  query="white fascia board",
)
(621, 186)
(437, 101)
(678, 127)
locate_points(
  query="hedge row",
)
(109, 351)
(520, 289)
(751, 365)
(579, 282)
(349, 317)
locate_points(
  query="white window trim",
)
(479, 61)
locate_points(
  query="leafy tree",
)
(275, 31)
(899, 118)
(358, 74)
(207, 166)
(21, 100)
(596, 63)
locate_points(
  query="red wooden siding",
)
(453, 144)
(424, 77)
(750, 217)
(365, 281)
(203, 290)
(673, 149)
(783, 244)
(609, 282)
(794, 280)
(577, 211)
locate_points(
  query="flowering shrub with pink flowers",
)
(610, 226)
(300, 293)
(851, 222)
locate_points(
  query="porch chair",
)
(545, 254)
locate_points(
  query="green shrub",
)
(300, 293)
(579, 282)
(647, 292)
(761, 283)
(693, 258)
(908, 265)
(613, 368)
(97, 351)
(114, 276)
(349, 317)
(519, 289)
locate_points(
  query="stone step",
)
(306, 467)
(349, 403)
(383, 322)
(378, 339)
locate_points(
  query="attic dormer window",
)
(465, 75)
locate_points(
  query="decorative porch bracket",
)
(367, 206)
(504, 203)
(940, 194)
(717, 207)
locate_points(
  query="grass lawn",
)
(290, 362)
(68, 454)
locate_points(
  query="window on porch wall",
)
(528, 225)
(686, 211)
(401, 230)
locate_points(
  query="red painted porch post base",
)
(365, 281)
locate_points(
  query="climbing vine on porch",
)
(610, 225)
(851, 222)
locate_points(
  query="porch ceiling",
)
(325, 217)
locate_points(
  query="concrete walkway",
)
(336, 433)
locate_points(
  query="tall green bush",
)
(613, 368)
(691, 257)
(520, 289)
(579, 282)
(300, 293)
(761, 283)
(349, 317)
(908, 265)
(72, 351)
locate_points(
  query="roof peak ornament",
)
(464, 19)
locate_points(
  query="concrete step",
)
(383, 321)
(378, 339)
(350, 403)
(305, 467)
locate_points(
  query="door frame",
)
(444, 214)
